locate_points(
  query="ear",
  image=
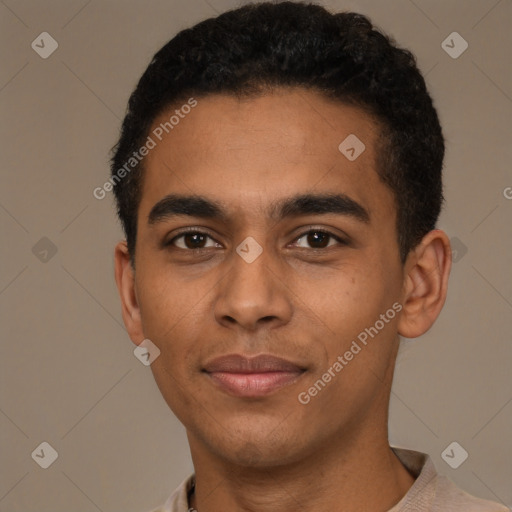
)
(426, 282)
(125, 279)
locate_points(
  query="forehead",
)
(246, 153)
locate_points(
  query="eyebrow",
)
(175, 205)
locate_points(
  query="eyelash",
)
(195, 231)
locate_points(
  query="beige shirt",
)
(429, 493)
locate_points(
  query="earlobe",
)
(426, 283)
(125, 279)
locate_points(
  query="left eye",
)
(193, 240)
(318, 239)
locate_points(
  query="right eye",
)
(191, 240)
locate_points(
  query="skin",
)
(298, 300)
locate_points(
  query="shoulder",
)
(450, 498)
(435, 493)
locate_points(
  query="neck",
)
(359, 474)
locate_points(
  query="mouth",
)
(252, 377)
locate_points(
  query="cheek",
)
(171, 317)
(345, 298)
(171, 309)
(348, 305)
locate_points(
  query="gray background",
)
(68, 373)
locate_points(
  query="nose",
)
(252, 295)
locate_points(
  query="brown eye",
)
(193, 240)
(318, 239)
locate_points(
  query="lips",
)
(252, 376)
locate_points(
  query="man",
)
(278, 178)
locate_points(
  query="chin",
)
(261, 448)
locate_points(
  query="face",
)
(263, 257)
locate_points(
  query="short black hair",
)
(248, 51)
